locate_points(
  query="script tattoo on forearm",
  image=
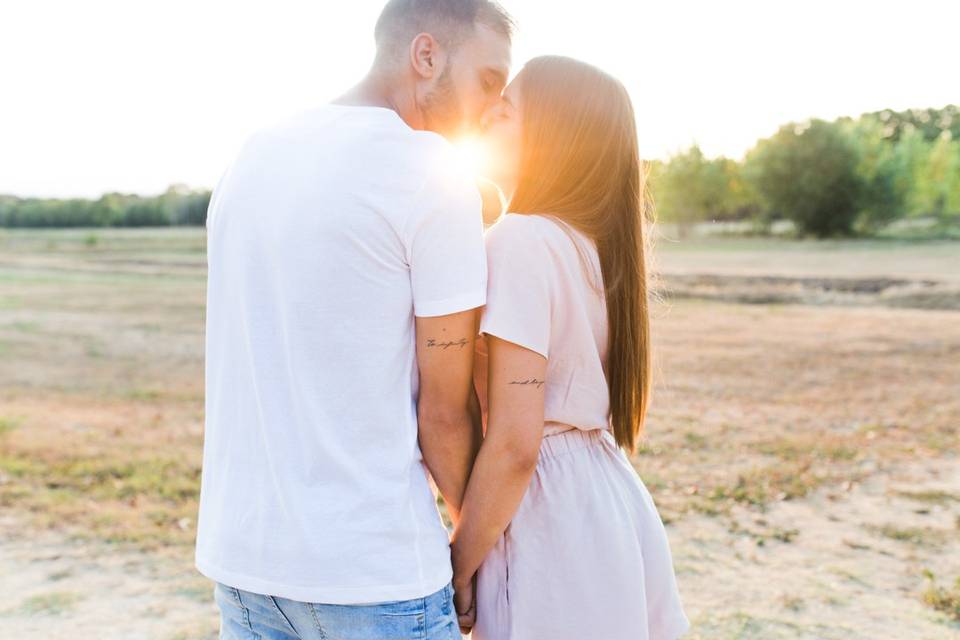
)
(529, 381)
(444, 345)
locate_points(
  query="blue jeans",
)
(251, 616)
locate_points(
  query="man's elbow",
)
(435, 417)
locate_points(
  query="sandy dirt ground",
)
(834, 580)
(804, 451)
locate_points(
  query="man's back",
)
(324, 238)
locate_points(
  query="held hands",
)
(465, 602)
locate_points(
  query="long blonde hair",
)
(580, 163)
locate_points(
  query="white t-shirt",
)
(325, 237)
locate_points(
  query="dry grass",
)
(774, 428)
(945, 599)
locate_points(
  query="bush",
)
(807, 173)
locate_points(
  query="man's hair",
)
(449, 21)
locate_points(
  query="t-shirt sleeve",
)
(444, 242)
(519, 287)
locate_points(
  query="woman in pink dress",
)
(558, 538)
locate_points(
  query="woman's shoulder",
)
(540, 233)
(518, 229)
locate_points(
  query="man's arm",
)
(447, 410)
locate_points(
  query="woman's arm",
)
(508, 455)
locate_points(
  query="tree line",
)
(178, 205)
(829, 178)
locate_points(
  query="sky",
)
(135, 95)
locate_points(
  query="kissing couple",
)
(370, 345)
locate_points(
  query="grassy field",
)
(802, 446)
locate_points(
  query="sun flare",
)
(474, 153)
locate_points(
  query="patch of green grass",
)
(25, 327)
(944, 599)
(761, 486)
(921, 536)
(859, 546)
(760, 536)
(930, 496)
(10, 302)
(694, 441)
(785, 535)
(51, 604)
(849, 575)
(740, 625)
(94, 349)
(201, 591)
(167, 479)
(163, 478)
(796, 449)
(644, 448)
(144, 395)
(20, 467)
(944, 440)
(8, 424)
(147, 502)
(793, 603)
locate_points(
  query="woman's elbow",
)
(520, 453)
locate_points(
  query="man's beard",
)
(441, 108)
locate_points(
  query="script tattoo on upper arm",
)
(446, 344)
(529, 381)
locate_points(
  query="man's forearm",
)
(450, 444)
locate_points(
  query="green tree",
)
(147, 213)
(929, 123)
(942, 193)
(911, 152)
(884, 195)
(689, 188)
(807, 173)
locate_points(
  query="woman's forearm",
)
(508, 456)
(497, 485)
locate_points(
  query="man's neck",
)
(375, 92)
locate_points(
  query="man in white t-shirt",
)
(346, 268)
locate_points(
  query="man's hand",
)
(465, 602)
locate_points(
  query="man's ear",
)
(426, 56)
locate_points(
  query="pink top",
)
(545, 293)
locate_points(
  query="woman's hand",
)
(465, 603)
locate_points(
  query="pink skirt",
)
(585, 557)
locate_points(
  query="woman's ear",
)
(426, 56)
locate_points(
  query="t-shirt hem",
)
(326, 595)
(673, 628)
(447, 306)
